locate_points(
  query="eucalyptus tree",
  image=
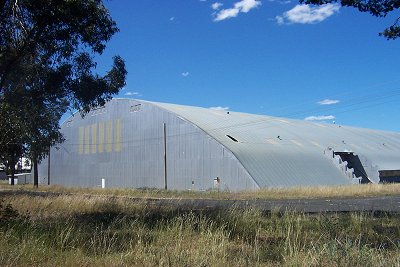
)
(47, 50)
(377, 8)
(12, 138)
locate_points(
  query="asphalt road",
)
(386, 204)
(371, 204)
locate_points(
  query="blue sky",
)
(272, 57)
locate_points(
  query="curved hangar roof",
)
(285, 152)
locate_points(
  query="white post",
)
(15, 181)
(103, 183)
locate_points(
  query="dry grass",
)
(361, 190)
(364, 190)
(70, 205)
(81, 230)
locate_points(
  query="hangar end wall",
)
(123, 143)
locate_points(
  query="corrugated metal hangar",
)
(140, 144)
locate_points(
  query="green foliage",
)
(378, 8)
(12, 136)
(51, 42)
(46, 67)
(391, 32)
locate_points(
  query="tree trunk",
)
(12, 169)
(35, 173)
(12, 174)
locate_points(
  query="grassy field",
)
(364, 190)
(83, 230)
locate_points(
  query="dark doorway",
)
(354, 162)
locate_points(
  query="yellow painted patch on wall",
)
(92, 137)
(117, 147)
(101, 137)
(81, 134)
(109, 136)
(87, 139)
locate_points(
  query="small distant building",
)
(141, 144)
(23, 166)
(3, 175)
(21, 178)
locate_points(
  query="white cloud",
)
(220, 108)
(226, 14)
(216, 5)
(132, 94)
(171, 18)
(185, 74)
(319, 118)
(328, 102)
(305, 14)
(282, 2)
(246, 5)
(280, 20)
(243, 6)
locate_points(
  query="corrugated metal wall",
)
(280, 152)
(124, 144)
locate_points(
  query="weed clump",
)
(9, 214)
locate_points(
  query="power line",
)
(343, 93)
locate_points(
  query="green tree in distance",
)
(12, 137)
(46, 67)
(378, 8)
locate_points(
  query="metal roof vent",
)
(232, 138)
(136, 108)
